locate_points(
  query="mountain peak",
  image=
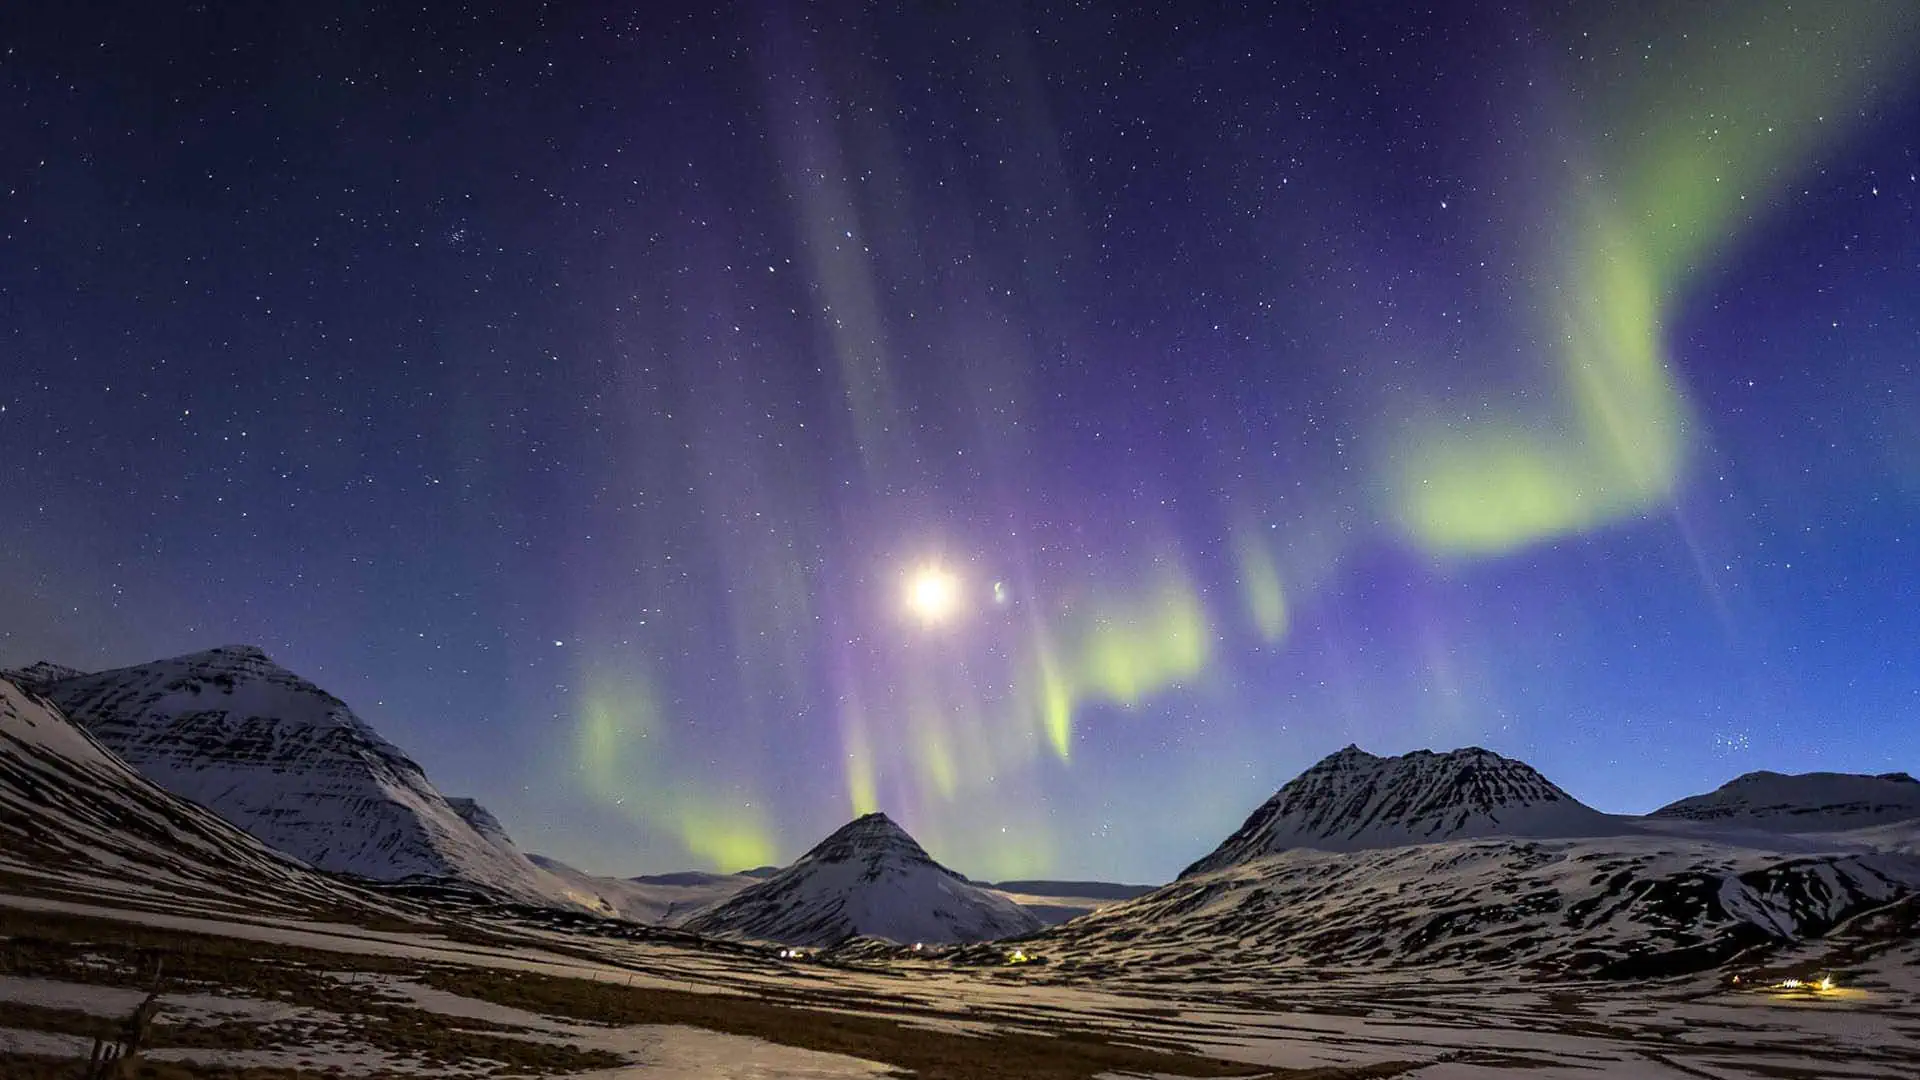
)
(236, 652)
(234, 659)
(1351, 800)
(872, 836)
(482, 821)
(872, 825)
(219, 657)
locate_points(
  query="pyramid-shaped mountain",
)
(1354, 801)
(1803, 802)
(291, 764)
(868, 879)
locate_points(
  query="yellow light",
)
(933, 594)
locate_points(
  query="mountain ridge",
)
(1797, 803)
(1352, 800)
(38, 674)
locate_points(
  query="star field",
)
(683, 429)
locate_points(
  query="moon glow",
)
(933, 595)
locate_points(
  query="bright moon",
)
(933, 594)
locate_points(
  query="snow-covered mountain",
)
(1818, 802)
(870, 879)
(1468, 861)
(660, 900)
(1354, 801)
(1624, 906)
(291, 764)
(73, 812)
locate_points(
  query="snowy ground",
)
(1441, 1029)
(656, 1052)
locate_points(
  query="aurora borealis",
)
(1054, 426)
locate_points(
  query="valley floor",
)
(250, 997)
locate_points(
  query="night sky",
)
(1055, 425)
